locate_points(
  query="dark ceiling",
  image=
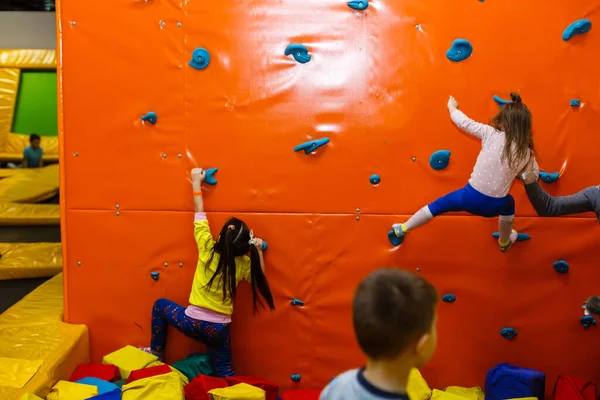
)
(27, 5)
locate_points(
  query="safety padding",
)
(16, 372)
(474, 393)
(505, 381)
(30, 260)
(417, 388)
(33, 330)
(105, 372)
(148, 373)
(31, 185)
(28, 58)
(239, 391)
(65, 390)
(199, 387)
(29, 214)
(305, 394)
(30, 396)
(184, 379)
(15, 144)
(271, 389)
(9, 87)
(194, 365)
(160, 387)
(129, 359)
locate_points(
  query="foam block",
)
(183, 378)
(305, 394)
(194, 365)
(236, 392)
(417, 388)
(442, 395)
(474, 393)
(103, 386)
(506, 381)
(129, 359)
(30, 396)
(199, 387)
(159, 387)
(114, 395)
(148, 372)
(106, 372)
(271, 389)
(65, 390)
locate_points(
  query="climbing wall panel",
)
(377, 86)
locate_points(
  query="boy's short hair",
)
(34, 136)
(392, 308)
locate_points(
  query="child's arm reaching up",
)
(198, 175)
(465, 123)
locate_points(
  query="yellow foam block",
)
(417, 388)
(65, 390)
(183, 378)
(239, 391)
(29, 214)
(30, 260)
(30, 396)
(15, 372)
(161, 387)
(474, 393)
(129, 359)
(30, 186)
(442, 395)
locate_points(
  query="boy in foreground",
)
(394, 313)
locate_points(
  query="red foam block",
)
(105, 372)
(271, 389)
(148, 372)
(198, 388)
(305, 394)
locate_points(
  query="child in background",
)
(32, 155)
(221, 267)
(394, 315)
(506, 148)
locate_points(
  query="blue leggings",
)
(474, 202)
(216, 337)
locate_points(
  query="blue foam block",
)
(460, 50)
(577, 28)
(505, 381)
(102, 385)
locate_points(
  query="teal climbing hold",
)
(296, 377)
(375, 179)
(575, 103)
(549, 177)
(265, 246)
(395, 240)
(587, 321)
(508, 333)
(449, 298)
(200, 58)
(577, 28)
(501, 102)
(155, 275)
(460, 50)
(520, 237)
(150, 117)
(210, 176)
(440, 159)
(299, 52)
(561, 267)
(359, 4)
(296, 302)
(311, 145)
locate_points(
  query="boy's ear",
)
(422, 344)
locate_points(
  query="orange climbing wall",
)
(378, 87)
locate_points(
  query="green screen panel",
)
(36, 110)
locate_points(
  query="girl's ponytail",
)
(259, 282)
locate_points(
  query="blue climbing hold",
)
(375, 179)
(575, 102)
(200, 58)
(155, 275)
(501, 102)
(508, 333)
(460, 50)
(577, 28)
(150, 117)
(449, 298)
(440, 159)
(587, 321)
(210, 176)
(296, 302)
(395, 240)
(520, 237)
(311, 145)
(265, 246)
(299, 52)
(561, 267)
(296, 377)
(548, 177)
(359, 4)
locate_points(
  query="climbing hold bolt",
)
(296, 378)
(575, 103)
(561, 267)
(78, 262)
(150, 117)
(210, 176)
(460, 50)
(449, 298)
(166, 264)
(501, 102)
(359, 4)
(577, 28)
(440, 159)
(520, 237)
(375, 179)
(587, 321)
(200, 58)
(548, 177)
(296, 302)
(311, 145)
(395, 240)
(508, 333)
(155, 275)
(180, 264)
(299, 52)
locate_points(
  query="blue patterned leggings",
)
(216, 337)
